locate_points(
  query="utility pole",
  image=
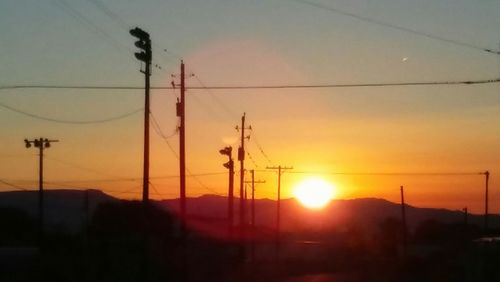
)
(181, 106)
(252, 222)
(145, 56)
(245, 203)
(181, 113)
(241, 158)
(403, 217)
(229, 165)
(41, 144)
(278, 205)
(486, 212)
(144, 44)
(253, 182)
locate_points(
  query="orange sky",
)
(390, 129)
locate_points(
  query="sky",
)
(398, 129)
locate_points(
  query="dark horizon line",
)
(223, 196)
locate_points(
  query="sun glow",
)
(314, 193)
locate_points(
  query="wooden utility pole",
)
(145, 55)
(278, 204)
(253, 182)
(241, 158)
(181, 106)
(486, 212)
(145, 183)
(41, 144)
(252, 222)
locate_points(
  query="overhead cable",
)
(256, 87)
(104, 120)
(397, 27)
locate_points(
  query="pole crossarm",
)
(279, 168)
(256, 182)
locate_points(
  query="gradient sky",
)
(243, 42)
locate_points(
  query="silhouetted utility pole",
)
(41, 144)
(278, 204)
(229, 165)
(144, 43)
(252, 222)
(181, 113)
(403, 218)
(253, 182)
(145, 55)
(241, 158)
(486, 212)
(181, 106)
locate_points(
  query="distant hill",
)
(366, 212)
(65, 211)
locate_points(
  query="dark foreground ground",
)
(122, 241)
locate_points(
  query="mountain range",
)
(67, 210)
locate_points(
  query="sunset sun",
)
(314, 193)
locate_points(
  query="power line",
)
(124, 25)
(157, 128)
(90, 25)
(118, 117)
(85, 168)
(257, 87)
(154, 188)
(194, 176)
(254, 139)
(252, 159)
(297, 86)
(219, 101)
(13, 185)
(13, 156)
(158, 131)
(132, 191)
(397, 27)
(66, 185)
(204, 105)
(62, 185)
(385, 173)
(105, 9)
(104, 180)
(128, 191)
(201, 183)
(81, 87)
